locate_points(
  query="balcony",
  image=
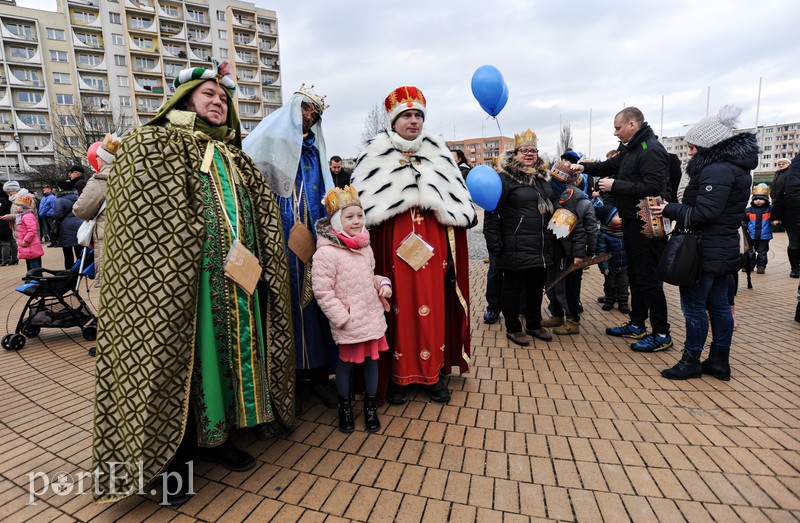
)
(35, 58)
(243, 22)
(166, 14)
(95, 24)
(85, 3)
(87, 42)
(141, 26)
(25, 37)
(93, 83)
(141, 5)
(197, 18)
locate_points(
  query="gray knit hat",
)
(11, 185)
(710, 131)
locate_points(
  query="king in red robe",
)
(418, 209)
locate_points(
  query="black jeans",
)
(762, 248)
(531, 283)
(647, 291)
(494, 287)
(70, 255)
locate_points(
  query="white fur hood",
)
(389, 183)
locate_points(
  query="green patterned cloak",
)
(167, 313)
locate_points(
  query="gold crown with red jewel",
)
(337, 199)
(404, 99)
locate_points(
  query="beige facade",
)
(775, 141)
(116, 60)
(480, 151)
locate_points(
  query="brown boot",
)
(519, 338)
(570, 327)
(553, 321)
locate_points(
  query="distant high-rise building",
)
(108, 65)
(480, 151)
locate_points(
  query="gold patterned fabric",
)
(149, 298)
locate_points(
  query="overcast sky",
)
(559, 59)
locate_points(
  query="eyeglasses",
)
(528, 150)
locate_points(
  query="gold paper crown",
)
(317, 100)
(761, 189)
(525, 138)
(337, 199)
(110, 143)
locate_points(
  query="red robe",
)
(428, 325)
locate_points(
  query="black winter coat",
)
(792, 191)
(787, 214)
(516, 231)
(640, 169)
(68, 222)
(715, 200)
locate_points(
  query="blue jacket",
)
(68, 231)
(47, 205)
(609, 240)
(759, 225)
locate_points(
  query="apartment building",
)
(775, 141)
(480, 151)
(116, 60)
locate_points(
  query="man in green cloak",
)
(188, 348)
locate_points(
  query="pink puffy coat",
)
(346, 288)
(28, 232)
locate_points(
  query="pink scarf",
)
(353, 242)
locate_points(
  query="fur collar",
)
(741, 149)
(390, 183)
(524, 175)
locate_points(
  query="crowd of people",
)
(257, 269)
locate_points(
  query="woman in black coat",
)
(713, 204)
(517, 236)
(68, 223)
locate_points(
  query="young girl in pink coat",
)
(28, 242)
(352, 297)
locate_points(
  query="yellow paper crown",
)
(761, 189)
(110, 143)
(525, 138)
(317, 100)
(337, 199)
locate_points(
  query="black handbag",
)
(680, 262)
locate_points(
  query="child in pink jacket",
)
(28, 242)
(353, 299)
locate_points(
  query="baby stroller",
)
(49, 295)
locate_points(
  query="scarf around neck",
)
(358, 241)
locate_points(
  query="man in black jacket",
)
(341, 176)
(640, 169)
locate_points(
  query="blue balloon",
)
(484, 186)
(489, 88)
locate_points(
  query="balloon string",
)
(498, 126)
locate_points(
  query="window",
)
(25, 31)
(24, 52)
(89, 59)
(84, 16)
(65, 99)
(144, 43)
(72, 141)
(26, 97)
(114, 18)
(223, 53)
(223, 34)
(61, 78)
(148, 83)
(197, 16)
(55, 34)
(117, 39)
(120, 59)
(95, 82)
(33, 120)
(58, 56)
(123, 81)
(196, 34)
(90, 40)
(142, 64)
(221, 16)
(28, 75)
(138, 22)
(124, 101)
(170, 10)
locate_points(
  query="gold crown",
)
(314, 98)
(525, 138)
(110, 143)
(337, 199)
(761, 189)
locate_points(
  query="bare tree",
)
(75, 128)
(376, 121)
(47, 174)
(565, 140)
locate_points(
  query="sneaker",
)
(540, 333)
(491, 317)
(519, 338)
(652, 343)
(627, 330)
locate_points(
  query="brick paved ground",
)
(577, 429)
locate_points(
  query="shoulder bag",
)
(680, 262)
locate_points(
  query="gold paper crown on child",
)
(761, 189)
(337, 199)
(525, 138)
(317, 100)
